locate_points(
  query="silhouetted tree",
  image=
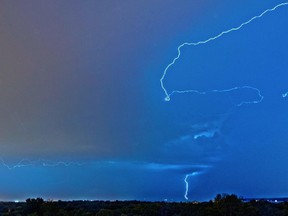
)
(34, 206)
(228, 205)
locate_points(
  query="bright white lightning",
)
(205, 134)
(187, 183)
(168, 95)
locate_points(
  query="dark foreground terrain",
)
(222, 205)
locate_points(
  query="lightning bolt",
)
(45, 163)
(260, 96)
(187, 183)
(60, 163)
(168, 95)
(20, 164)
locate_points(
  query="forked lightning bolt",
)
(169, 94)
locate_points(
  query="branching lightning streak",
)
(21, 163)
(187, 183)
(45, 163)
(59, 163)
(168, 95)
(222, 91)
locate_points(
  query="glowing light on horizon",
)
(168, 95)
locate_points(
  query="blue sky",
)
(83, 114)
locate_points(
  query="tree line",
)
(221, 205)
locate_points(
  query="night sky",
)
(83, 114)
